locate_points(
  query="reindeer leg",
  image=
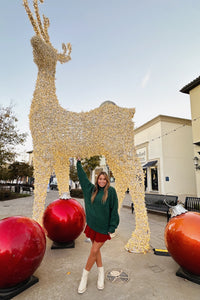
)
(128, 173)
(62, 174)
(42, 172)
(119, 172)
(140, 238)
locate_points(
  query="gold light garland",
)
(59, 134)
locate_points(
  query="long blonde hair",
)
(96, 189)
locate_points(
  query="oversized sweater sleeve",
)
(84, 181)
(114, 216)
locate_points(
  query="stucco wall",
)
(178, 159)
(169, 141)
(195, 114)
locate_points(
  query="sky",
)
(135, 53)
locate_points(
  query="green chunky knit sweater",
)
(101, 217)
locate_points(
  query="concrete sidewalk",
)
(149, 276)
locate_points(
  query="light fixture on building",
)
(196, 163)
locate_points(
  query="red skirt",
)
(96, 236)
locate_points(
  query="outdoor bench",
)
(192, 204)
(155, 203)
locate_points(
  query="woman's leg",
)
(100, 281)
(95, 256)
(99, 259)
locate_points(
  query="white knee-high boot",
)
(100, 281)
(83, 284)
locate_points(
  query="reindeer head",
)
(45, 55)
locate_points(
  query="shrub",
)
(76, 193)
(5, 194)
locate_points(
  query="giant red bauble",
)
(182, 239)
(64, 220)
(22, 247)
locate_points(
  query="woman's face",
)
(102, 180)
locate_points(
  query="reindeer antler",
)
(31, 18)
(42, 30)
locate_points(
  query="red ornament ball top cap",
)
(177, 210)
(65, 196)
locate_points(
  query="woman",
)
(101, 206)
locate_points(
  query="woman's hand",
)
(112, 235)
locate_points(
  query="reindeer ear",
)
(65, 56)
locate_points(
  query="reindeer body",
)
(59, 134)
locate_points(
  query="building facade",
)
(164, 146)
(30, 157)
(193, 89)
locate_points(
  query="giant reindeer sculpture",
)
(59, 134)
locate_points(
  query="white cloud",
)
(146, 78)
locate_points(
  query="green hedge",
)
(8, 195)
(5, 194)
(76, 193)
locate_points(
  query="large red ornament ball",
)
(64, 220)
(182, 239)
(22, 247)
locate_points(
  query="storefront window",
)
(154, 179)
(145, 178)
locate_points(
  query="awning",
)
(150, 164)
